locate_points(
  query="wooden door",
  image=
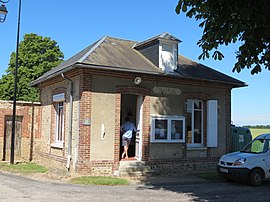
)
(7, 138)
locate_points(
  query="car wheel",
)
(256, 177)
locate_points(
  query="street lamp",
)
(15, 89)
(3, 13)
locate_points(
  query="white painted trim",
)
(168, 118)
(212, 123)
(139, 128)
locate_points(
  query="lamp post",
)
(15, 89)
(3, 13)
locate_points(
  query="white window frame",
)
(169, 119)
(190, 107)
(59, 139)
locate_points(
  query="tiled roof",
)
(190, 69)
(120, 55)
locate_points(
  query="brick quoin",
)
(228, 120)
(85, 113)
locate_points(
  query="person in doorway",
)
(127, 129)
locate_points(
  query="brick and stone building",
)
(182, 109)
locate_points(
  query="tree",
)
(229, 21)
(37, 55)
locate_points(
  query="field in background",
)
(257, 131)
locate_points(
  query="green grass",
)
(99, 180)
(212, 176)
(257, 131)
(24, 168)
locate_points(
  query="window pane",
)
(197, 104)
(189, 128)
(161, 129)
(176, 129)
(197, 127)
(60, 121)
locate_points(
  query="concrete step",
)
(132, 163)
(134, 169)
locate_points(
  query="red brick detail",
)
(117, 127)
(30, 114)
(228, 120)
(146, 129)
(85, 113)
(146, 119)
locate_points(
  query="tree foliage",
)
(37, 55)
(229, 21)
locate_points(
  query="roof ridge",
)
(117, 38)
(159, 36)
(100, 41)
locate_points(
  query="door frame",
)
(139, 118)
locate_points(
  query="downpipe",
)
(70, 121)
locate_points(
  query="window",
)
(59, 125)
(167, 129)
(168, 56)
(195, 122)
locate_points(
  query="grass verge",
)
(99, 180)
(23, 168)
(211, 176)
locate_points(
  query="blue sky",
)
(77, 24)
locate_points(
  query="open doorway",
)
(131, 106)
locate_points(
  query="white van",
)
(251, 164)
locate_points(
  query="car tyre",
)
(255, 177)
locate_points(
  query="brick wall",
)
(83, 165)
(228, 120)
(86, 165)
(183, 165)
(29, 115)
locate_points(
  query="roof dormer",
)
(161, 50)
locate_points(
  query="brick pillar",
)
(146, 129)
(85, 113)
(117, 128)
(228, 120)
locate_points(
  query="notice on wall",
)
(166, 90)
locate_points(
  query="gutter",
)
(70, 120)
(154, 73)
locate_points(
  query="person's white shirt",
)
(128, 128)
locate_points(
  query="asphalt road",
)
(17, 188)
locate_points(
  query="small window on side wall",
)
(58, 100)
(167, 129)
(59, 122)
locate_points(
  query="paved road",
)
(17, 188)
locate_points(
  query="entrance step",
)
(134, 169)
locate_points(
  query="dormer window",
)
(168, 56)
(161, 50)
